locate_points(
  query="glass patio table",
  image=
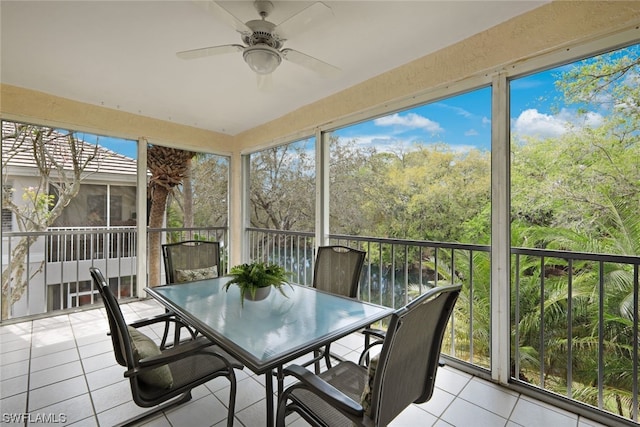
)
(266, 334)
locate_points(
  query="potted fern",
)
(256, 279)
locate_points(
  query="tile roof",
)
(18, 152)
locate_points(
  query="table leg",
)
(268, 379)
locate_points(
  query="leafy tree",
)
(427, 193)
(282, 182)
(205, 190)
(352, 176)
(211, 191)
(581, 192)
(62, 162)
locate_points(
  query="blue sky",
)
(464, 121)
(126, 147)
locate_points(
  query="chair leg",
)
(232, 398)
(176, 335)
(135, 421)
(281, 412)
(327, 356)
(316, 364)
(165, 335)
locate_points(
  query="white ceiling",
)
(121, 54)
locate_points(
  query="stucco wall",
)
(36, 107)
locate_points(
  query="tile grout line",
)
(84, 373)
(26, 409)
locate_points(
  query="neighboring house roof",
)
(18, 153)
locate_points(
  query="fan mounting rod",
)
(264, 8)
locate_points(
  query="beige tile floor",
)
(65, 365)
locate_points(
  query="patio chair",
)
(337, 270)
(191, 260)
(188, 261)
(404, 371)
(162, 378)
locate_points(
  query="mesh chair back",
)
(190, 255)
(409, 358)
(337, 270)
(117, 326)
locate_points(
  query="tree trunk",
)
(187, 190)
(156, 218)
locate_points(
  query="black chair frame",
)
(346, 286)
(192, 363)
(405, 374)
(194, 260)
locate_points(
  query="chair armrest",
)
(172, 354)
(167, 318)
(364, 356)
(324, 390)
(164, 317)
(377, 333)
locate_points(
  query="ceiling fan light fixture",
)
(262, 59)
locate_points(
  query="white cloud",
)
(471, 132)
(532, 122)
(410, 121)
(457, 110)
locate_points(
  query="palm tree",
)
(168, 167)
(619, 233)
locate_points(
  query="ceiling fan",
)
(263, 40)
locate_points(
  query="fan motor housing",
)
(262, 34)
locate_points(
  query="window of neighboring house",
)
(7, 215)
(71, 294)
(77, 294)
(121, 286)
(99, 206)
(81, 293)
(7, 220)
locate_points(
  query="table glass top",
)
(269, 329)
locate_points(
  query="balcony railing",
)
(572, 314)
(57, 263)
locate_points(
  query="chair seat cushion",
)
(196, 274)
(144, 347)
(365, 400)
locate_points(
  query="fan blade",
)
(311, 63)
(301, 21)
(224, 15)
(209, 51)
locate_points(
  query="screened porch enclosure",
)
(514, 174)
